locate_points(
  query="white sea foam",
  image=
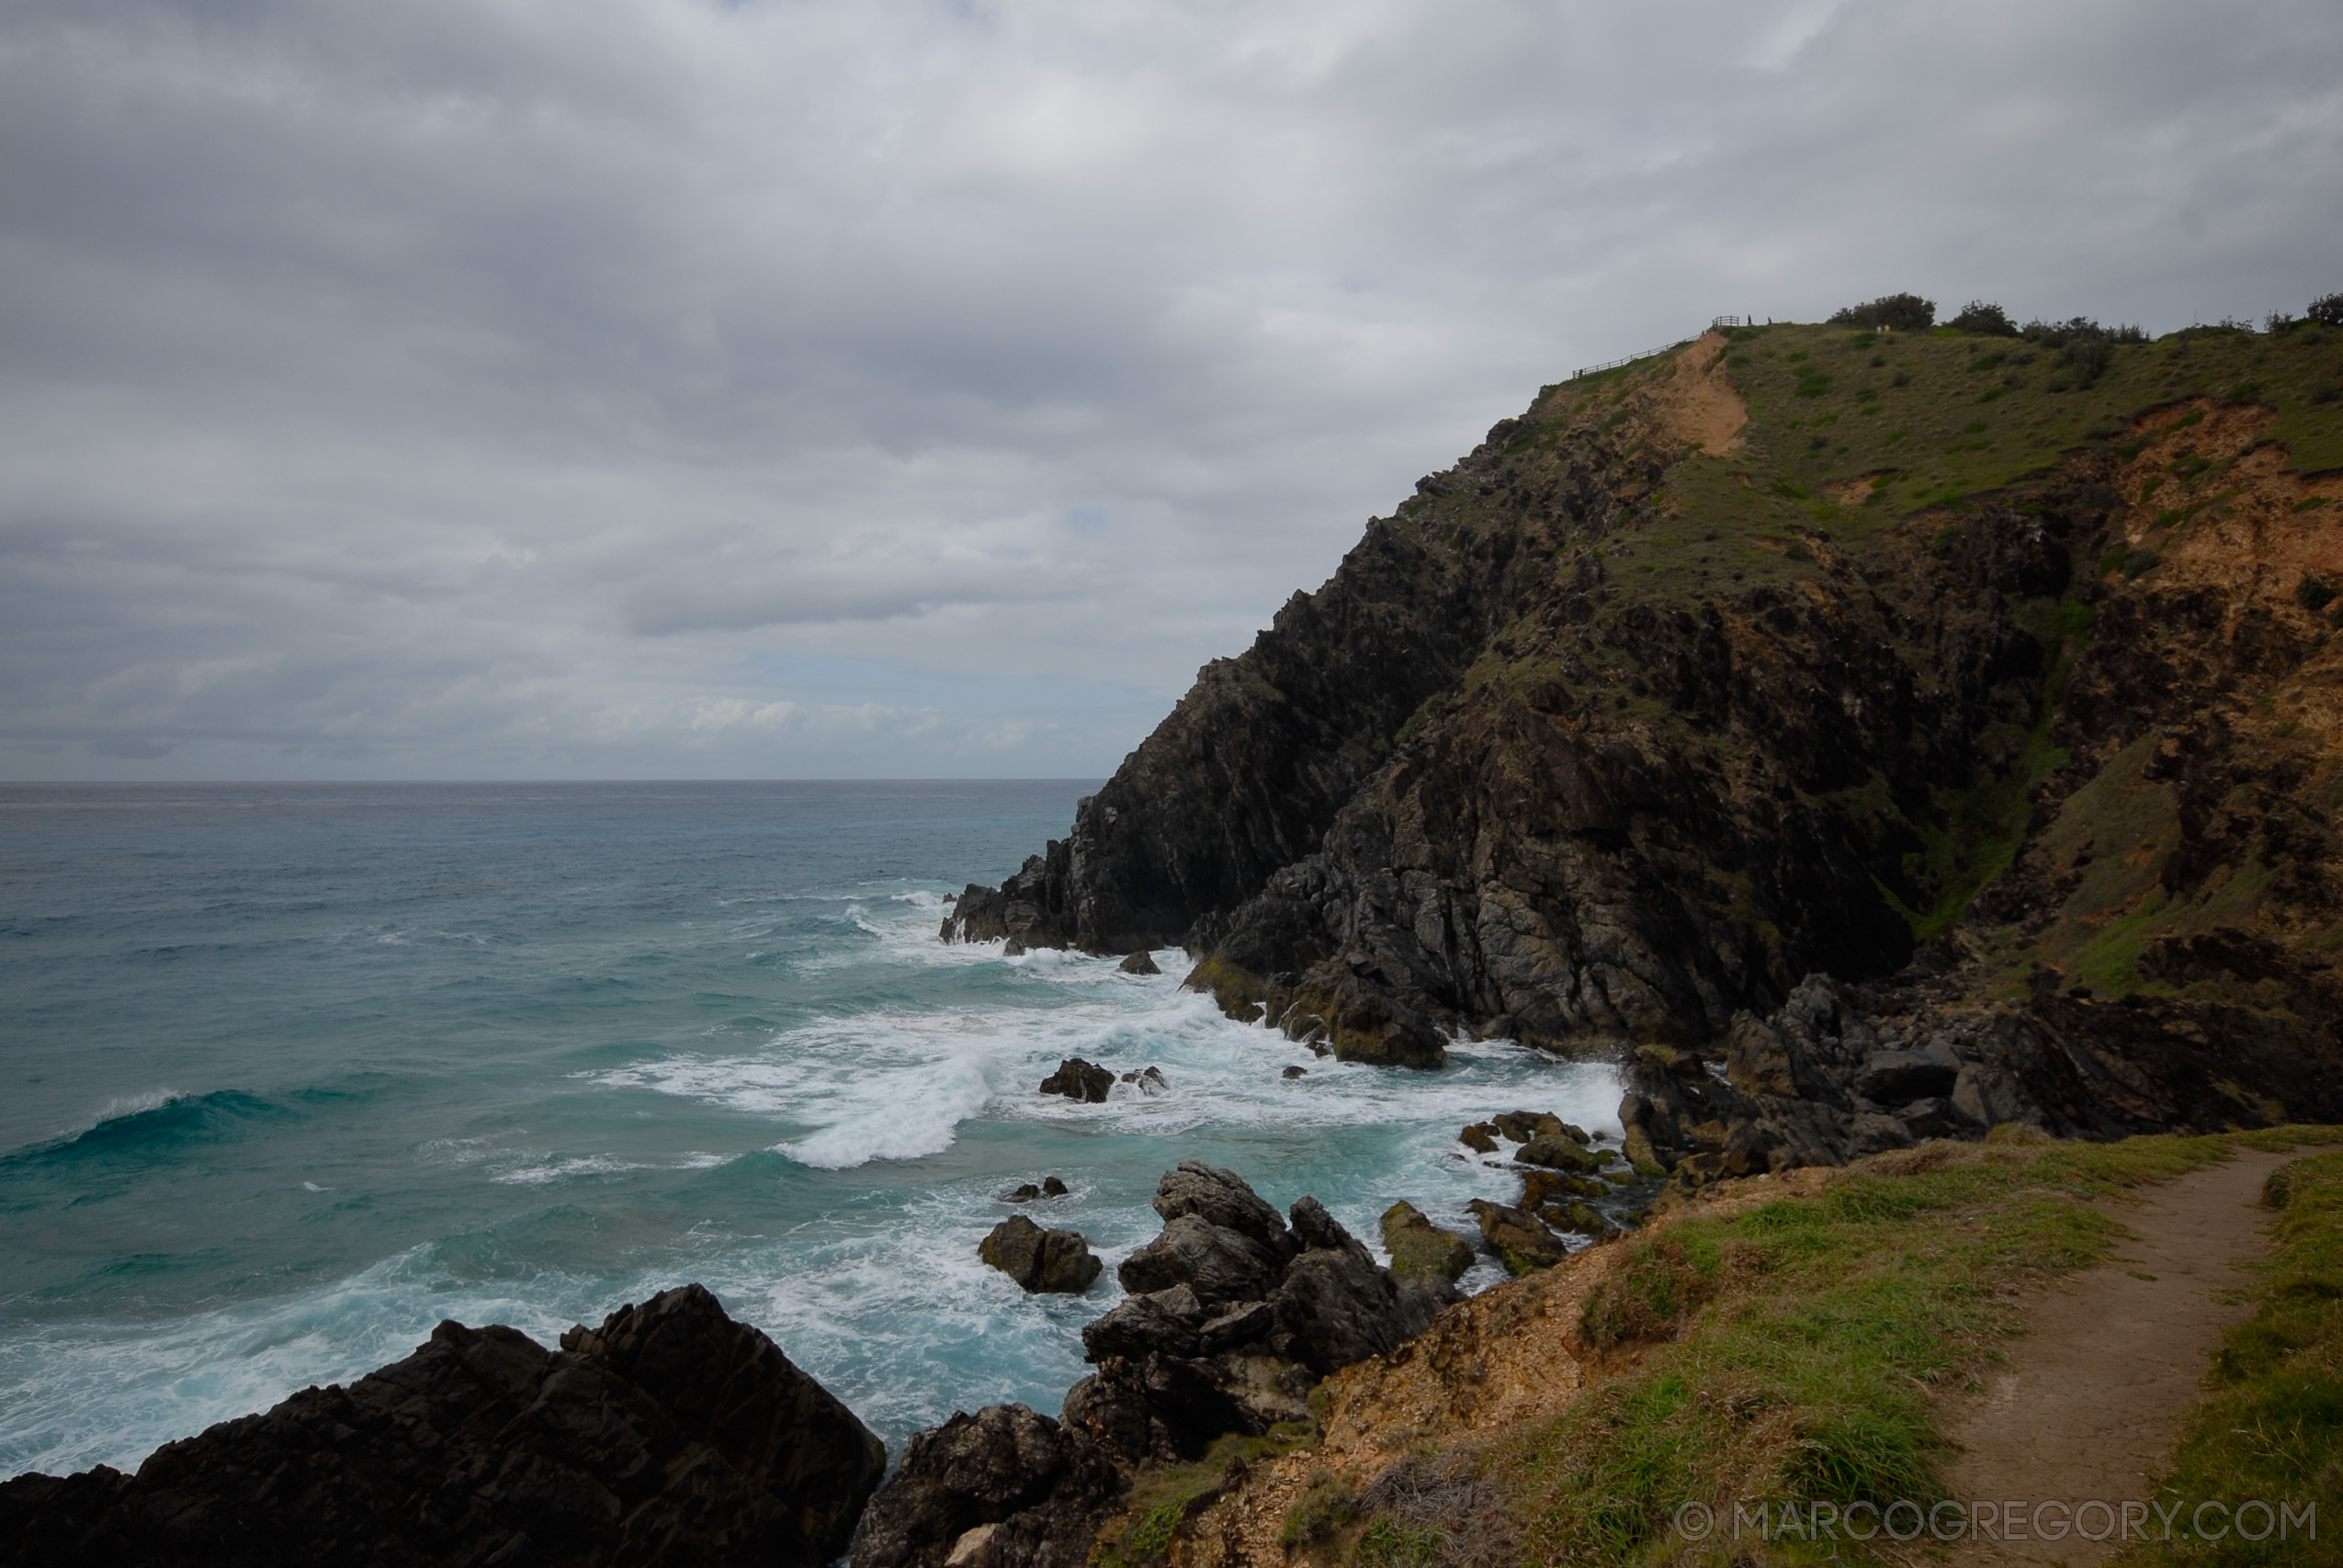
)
(537, 1175)
(876, 1288)
(123, 1105)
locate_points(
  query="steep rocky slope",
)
(1989, 681)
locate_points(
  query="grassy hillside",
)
(2207, 464)
(1784, 1345)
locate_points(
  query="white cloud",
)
(536, 388)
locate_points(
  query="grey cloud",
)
(439, 388)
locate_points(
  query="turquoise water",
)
(294, 1072)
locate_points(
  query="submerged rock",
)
(1003, 1487)
(1419, 1246)
(1052, 1261)
(1078, 1079)
(671, 1434)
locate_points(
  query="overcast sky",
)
(850, 388)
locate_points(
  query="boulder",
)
(1520, 1240)
(1160, 1408)
(1577, 1217)
(1246, 1323)
(1294, 1072)
(1221, 1196)
(1337, 1306)
(1078, 1079)
(1162, 1322)
(1139, 962)
(1023, 1192)
(1219, 1264)
(1480, 1137)
(671, 1434)
(1541, 1187)
(1898, 1078)
(1056, 1262)
(1554, 1151)
(1052, 1187)
(1876, 1134)
(1933, 1119)
(1419, 1246)
(1522, 1126)
(1004, 1486)
(1148, 1081)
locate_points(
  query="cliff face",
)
(1916, 661)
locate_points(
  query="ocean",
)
(294, 1072)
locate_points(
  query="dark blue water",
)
(293, 1072)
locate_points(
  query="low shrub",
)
(1984, 319)
(1897, 312)
(2327, 311)
(1436, 1513)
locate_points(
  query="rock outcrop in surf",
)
(1234, 1314)
(671, 1434)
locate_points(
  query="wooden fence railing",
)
(1586, 370)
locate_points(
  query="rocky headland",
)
(1861, 736)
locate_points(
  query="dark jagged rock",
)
(1156, 1407)
(1159, 1323)
(1338, 1306)
(670, 1435)
(1520, 1240)
(1139, 962)
(1053, 1187)
(1899, 1077)
(1218, 1263)
(1042, 1261)
(1245, 1322)
(1294, 1072)
(1078, 1079)
(1419, 1246)
(1023, 1192)
(1002, 1488)
(1221, 1196)
(1148, 1081)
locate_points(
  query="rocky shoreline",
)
(670, 1434)
(674, 1435)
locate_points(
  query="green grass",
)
(1792, 1352)
(2272, 1426)
(1163, 1496)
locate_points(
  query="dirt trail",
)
(2089, 1403)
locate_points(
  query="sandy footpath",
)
(2089, 1403)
